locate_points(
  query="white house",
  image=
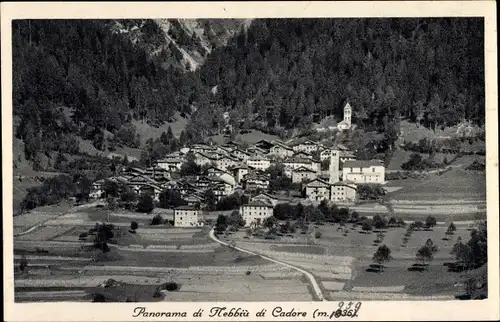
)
(307, 146)
(255, 182)
(240, 171)
(281, 150)
(186, 216)
(202, 158)
(343, 191)
(346, 123)
(97, 191)
(254, 213)
(241, 154)
(170, 163)
(361, 171)
(226, 162)
(317, 190)
(259, 162)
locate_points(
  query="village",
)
(231, 169)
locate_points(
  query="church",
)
(346, 123)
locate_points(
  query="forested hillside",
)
(89, 79)
(426, 70)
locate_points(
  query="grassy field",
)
(456, 184)
(252, 137)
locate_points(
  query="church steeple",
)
(347, 114)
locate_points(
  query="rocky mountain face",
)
(183, 43)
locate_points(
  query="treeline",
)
(286, 70)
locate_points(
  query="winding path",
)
(312, 280)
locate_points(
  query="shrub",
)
(157, 220)
(134, 225)
(317, 234)
(145, 204)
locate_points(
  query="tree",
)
(128, 196)
(382, 255)
(354, 217)
(145, 204)
(133, 226)
(190, 168)
(429, 243)
(270, 222)
(424, 254)
(104, 232)
(235, 219)
(379, 222)
(463, 254)
(171, 199)
(366, 225)
(157, 220)
(23, 263)
(210, 199)
(430, 221)
(110, 188)
(221, 224)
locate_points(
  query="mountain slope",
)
(182, 43)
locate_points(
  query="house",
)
(254, 213)
(97, 190)
(193, 198)
(364, 171)
(142, 184)
(203, 148)
(325, 154)
(158, 173)
(255, 182)
(295, 163)
(225, 162)
(259, 162)
(346, 123)
(343, 191)
(347, 156)
(257, 151)
(302, 155)
(214, 171)
(242, 155)
(152, 190)
(317, 190)
(240, 171)
(170, 163)
(264, 145)
(202, 158)
(187, 216)
(303, 174)
(307, 146)
(281, 150)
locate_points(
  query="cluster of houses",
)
(230, 167)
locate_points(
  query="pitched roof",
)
(258, 203)
(303, 169)
(363, 163)
(185, 207)
(317, 182)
